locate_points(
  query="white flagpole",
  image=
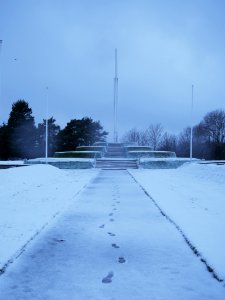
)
(115, 99)
(46, 127)
(191, 136)
(0, 70)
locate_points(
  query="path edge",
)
(188, 242)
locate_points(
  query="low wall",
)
(67, 164)
(162, 164)
(151, 154)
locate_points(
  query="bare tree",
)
(208, 137)
(132, 136)
(154, 135)
(168, 142)
(214, 126)
(183, 145)
(211, 134)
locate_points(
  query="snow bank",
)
(194, 197)
(30, 198)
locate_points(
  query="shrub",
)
(137, 148)
(104, 144)
(152, 154)
(78, 154)
(92, 148)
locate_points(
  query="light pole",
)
(191, 136)
(46, 128)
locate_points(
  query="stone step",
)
(116, 164)
(119, 145)
(114, 155)
(115, 150)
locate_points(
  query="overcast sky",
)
(164, 46)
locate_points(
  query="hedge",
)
(78, 154)
(92, 148)
(104, 144)
(138, 148)
(152, 154)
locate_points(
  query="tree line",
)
(208, 138)
(20, 138)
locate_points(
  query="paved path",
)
(113, 244)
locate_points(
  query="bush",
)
(78, 154)
(92, 148)
(104, 144)
(137, 148)
(152, 154)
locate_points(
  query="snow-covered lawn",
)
(30, 198)
(193, 196)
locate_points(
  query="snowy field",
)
(193, 196)
(30, 198)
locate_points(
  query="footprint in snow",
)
(111, 234)
(108, 278)
(115, 246)
(121, 260)
(102, 226)
(58, 240)
(111, 214)
(111, 220)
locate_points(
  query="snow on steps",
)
(115, 150)
(116, 163)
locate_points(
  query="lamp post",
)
(191, 136)
(46, 128)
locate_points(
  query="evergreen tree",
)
(53, 131)
(21, 131)
(79, 132)
(4, 142)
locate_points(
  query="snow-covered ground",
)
(30, 198)
(193, 196)
(112, 243)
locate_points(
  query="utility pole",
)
(191, 136)
(46, 127)
(115, 135)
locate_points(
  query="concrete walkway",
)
(113, 244)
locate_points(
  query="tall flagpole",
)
(115, 135)
(191, 136)
(0, 70)
(46, 127)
